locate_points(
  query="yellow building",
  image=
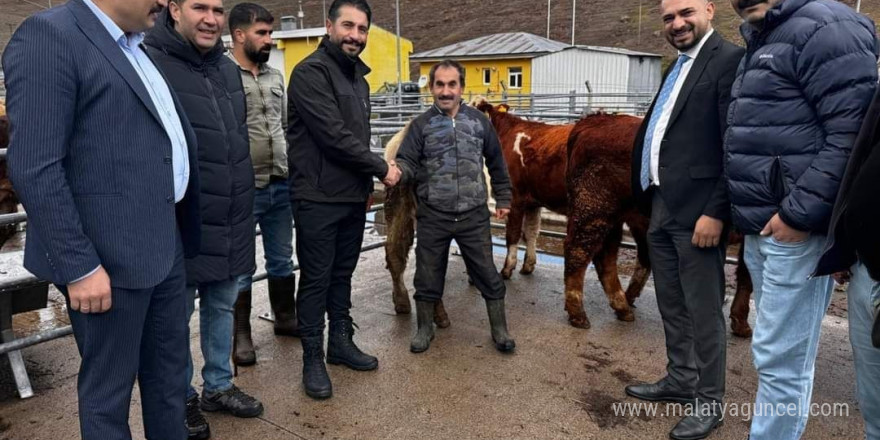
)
(292, 46)
(493, 63)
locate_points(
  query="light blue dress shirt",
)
(159, 93)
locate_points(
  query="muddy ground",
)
(562, 383)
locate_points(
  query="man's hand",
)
(393, 175)
(501, 213)
(91, 294)
(707, 232)
(783, 233)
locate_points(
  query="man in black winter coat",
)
(186, 45)
(853, 251)
(331, 172)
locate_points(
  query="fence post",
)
(572, 101)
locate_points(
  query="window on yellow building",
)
(487, 76)
(514, 77)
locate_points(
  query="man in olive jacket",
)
(331, 172)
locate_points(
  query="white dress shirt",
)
(666, 111)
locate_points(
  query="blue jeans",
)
(216, 301)
(790, 307)
(863, 296)
(272, 213)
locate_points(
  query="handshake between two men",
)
(393, 176)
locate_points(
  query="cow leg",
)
(400, 226)
(584, 237)
(513, 232)
(606, 268)
(739, 310)
(638, 227)
(531, 227)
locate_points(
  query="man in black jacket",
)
(186, 45)
(444, 151)
(677, 179)
(331, 172)
(853, 249)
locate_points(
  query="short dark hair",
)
(360, 5)
(448, 64)
(243, 15)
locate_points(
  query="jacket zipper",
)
(228, 150)
(457, 172)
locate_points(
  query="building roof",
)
(299, 33)
(615, 50)
(505, 45)
(315, 32)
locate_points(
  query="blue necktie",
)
(665, 92)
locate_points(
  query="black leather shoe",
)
(196, 425)
(233, 401)
(696, 427)
(660, 392)
(315, 379)
(341, 348)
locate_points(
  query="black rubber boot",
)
(315, 379)
(242, 344)
(342, 350)
(425, 332)
(498, 322)
(282, 296)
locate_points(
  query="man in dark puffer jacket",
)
(186, 46)
(797, 104)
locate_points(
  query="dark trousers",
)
(144, 336)
(328, 245)
(434, 232)
(690, 288)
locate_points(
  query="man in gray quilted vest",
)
(444, 152)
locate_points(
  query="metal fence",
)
(391, 111)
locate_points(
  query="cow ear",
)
(503, 108)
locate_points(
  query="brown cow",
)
(538, 146)
(536, 155)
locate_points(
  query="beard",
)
(684, 47)
(352, 42)
(258, 56)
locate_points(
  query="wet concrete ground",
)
(560, 384)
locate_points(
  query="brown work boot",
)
(282, 296)
(242, 344)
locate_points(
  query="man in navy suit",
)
(103, 160)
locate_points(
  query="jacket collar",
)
(164, 37)
(351, 66)
(777, 15)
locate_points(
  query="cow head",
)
(482, 104)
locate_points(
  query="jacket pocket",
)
(778, 184)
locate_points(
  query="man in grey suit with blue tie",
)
(103, 160)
